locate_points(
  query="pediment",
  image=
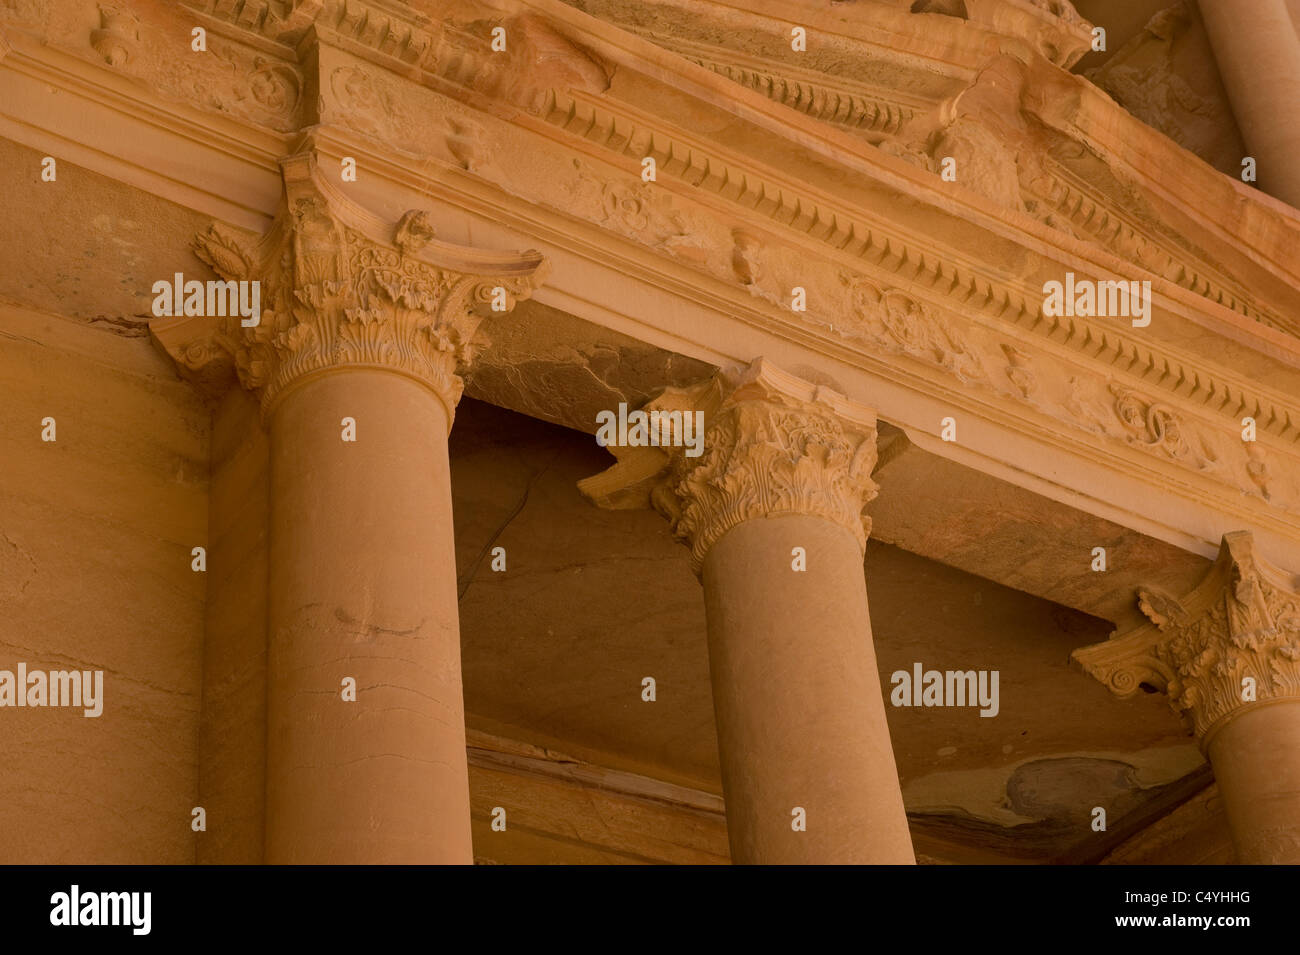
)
(975, 82)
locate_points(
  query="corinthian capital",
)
(773, 444)
(341, 288)
(1231, 643)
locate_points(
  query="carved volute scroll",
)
(773, 445)
(1231, 643)
(341, 288)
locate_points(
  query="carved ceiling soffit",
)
(340, 287)
(1233, 642)
(773, 444)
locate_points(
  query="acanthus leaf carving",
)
(340, 290)
(774, 444)
(223, 250)
(1232, 642)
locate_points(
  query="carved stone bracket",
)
(774, 444)
(1232, 642)
(1052, 27)
(340, 287)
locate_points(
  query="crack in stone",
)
(518, 509)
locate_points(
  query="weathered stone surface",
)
(912, 179)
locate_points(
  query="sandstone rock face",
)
(314, 317)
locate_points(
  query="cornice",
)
(845, 39)
(1226, 218)
(1063, 199)
(857, 107)
(1230, 644)
(1054, 195)
(1079, 206)
(910, 260)
(400, 38)
(1135, 449)
(388, 26)
(1073, 108)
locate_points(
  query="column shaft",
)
(1228, 654)
(1258, 52)
(367, 320)
(1256, 759)
(363, 586)
(801, 717)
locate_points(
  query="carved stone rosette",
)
(342, 288)
(774, 445)
(1242, 621)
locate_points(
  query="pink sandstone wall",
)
(103, 520)
(232, 733)
(96, 528)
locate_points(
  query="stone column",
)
(772, 513)
(1228, 656)
(363, 328)
(1258, 52)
